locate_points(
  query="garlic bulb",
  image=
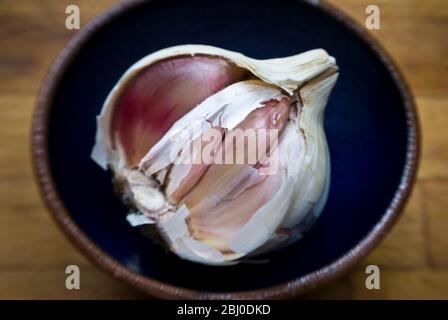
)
(223, 154)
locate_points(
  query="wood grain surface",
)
(413, 259)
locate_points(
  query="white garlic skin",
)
(303, 154)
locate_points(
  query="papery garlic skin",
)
(188, 203)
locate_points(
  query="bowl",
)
(370, 122)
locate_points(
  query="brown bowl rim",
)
(159, 289)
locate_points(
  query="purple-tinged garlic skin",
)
(206, 208)
(161, 94)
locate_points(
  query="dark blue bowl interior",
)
(365, 124)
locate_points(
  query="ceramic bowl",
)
(370, 122)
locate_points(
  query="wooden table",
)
(33, 251)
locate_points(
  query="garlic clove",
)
(315, 163)
(228, 194)
(183, 177)
(218, 224)
(146, 109)
(305, 158)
